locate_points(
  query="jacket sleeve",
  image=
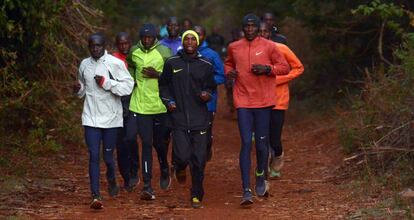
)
(229, 64)
(164, 84)
(296, 67)
(218, 69)
(209, 81)
(122, 84)
(81, 80)
(131, 64)
(279, 64)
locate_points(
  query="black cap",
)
(148, 30)
(251, 18)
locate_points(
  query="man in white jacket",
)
(102, 80)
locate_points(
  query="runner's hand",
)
(205, 96)
(76, 87)
(171, 106)
(99, 80)
(260, 69)
(150, 72)
(232, 74)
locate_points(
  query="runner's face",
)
(264, 31)
(147, 41)
(250, 31)
(201, 34)
(123, 44)
(268, 19)
(190, 44)
(172, 28)
(96, 47)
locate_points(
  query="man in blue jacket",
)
(173, 40)
(218, 66)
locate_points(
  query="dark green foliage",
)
(39, 55)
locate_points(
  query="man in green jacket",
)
(148, 113)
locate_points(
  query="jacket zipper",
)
(186, 112)
(249, 58)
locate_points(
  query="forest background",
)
(358, 55)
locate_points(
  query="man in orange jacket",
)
(277, 117)
(253, 62)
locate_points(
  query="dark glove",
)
(171, 106)
(150, 72)
(205, 96)
(99, 80)
(260, 69)
(76, 88)
(232, 74)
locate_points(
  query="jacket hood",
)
(140, 46)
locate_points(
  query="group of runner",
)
(163, 90)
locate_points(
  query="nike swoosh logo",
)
(203, 132)
(261, 138)
(258, 53)
(177, 70)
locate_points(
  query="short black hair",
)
(121, 35)
(201, 27)
(97, 35)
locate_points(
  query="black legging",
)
(277, 118)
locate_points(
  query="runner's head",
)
(264, 30)
(187, 24)
(123, 43)
(201, 31)
(148, 34)
(269, 19)
(190, 42)
(172, 27)
(250, 26)
(96, 45)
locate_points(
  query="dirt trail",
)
(305, 191)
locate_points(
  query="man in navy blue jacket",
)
(218, 66)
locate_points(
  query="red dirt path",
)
(305, 191)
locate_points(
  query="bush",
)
(39, 55)
(380, 127)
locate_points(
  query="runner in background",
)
(127, 154)
(173, 41)
(275, 35)
(186, 24)
(215, 59)
(277, 117)
(148, 114)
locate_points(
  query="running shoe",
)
(262, 185)
(247, 199)
(113, 188)
(96, 202)
(196, 203)
(165, 179)
(147, 193)
(276, 163)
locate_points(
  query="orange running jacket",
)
(282, 82)
(250, 90)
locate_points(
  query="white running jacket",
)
(102, 107)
